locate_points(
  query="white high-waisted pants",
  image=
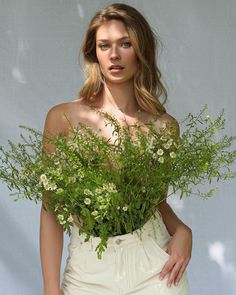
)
(128, 266)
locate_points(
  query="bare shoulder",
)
(55, 119)
(166, 120)
(59, 116)
(56, 123)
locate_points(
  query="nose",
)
(115, 55)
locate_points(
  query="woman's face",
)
(113, 48)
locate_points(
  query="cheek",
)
(131, 56)
(101, 59)
(132, 59)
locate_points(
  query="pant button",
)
(118, 241)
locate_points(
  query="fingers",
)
(180, 274)
(174, 273)
(176, 269)
(166, 268)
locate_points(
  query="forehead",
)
(112, 29)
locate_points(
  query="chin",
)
(119, 80)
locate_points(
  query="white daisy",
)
(87, 192)
(161, 160)
(160, 152)
(111, 186)
(95, 213)
(43, 177)
(70, 219)
(47, 187)
(87, 201)
(45, 181)
(100, 198)
(166, 145)
(60, 218)
(53, 186)
(172, 154)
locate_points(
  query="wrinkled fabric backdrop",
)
(39, 68)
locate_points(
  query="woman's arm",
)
(180, 245)
(172, 222)
(51, 247)
(51, 233)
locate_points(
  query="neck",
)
(120, 97)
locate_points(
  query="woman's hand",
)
(179, 248)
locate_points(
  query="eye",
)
(126, 44)
(103, 46)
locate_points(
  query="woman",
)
(123, 80)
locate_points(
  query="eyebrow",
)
(122, 38)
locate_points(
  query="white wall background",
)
(39, 45)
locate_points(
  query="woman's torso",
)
(77, 111)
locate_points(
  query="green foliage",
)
(115, 188)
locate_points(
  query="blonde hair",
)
(147, 80)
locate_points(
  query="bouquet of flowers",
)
(115, 188)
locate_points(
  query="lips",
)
(116, 67)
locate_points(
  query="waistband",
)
(154, 226)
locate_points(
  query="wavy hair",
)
(148, 87)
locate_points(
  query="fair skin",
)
(118, 99)
(51, 233)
